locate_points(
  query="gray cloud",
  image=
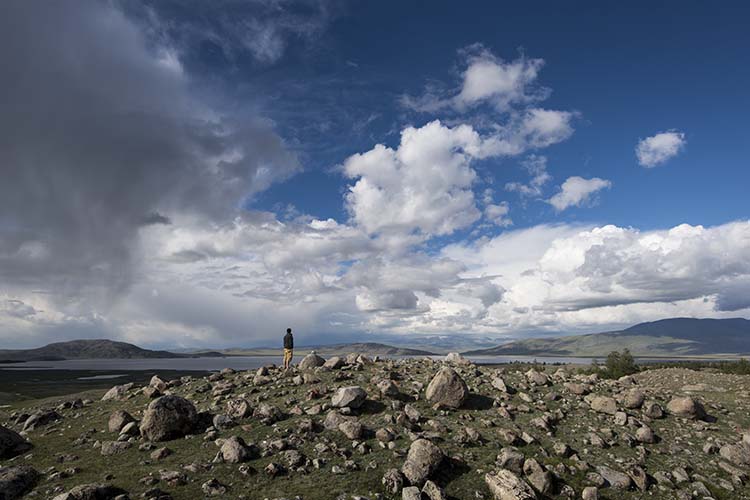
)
(99, 136)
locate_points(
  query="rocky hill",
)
(668, 337)
(87, 349)
(414, 429)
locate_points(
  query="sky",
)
(186, 174)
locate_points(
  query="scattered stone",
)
(505, 485)
(447, 389)
(423, 459)
(353, 397)
(168, 417)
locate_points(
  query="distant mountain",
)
(370, 348)
(89, 349)
(667, 337)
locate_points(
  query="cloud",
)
(498, 214)
(101, 136)
(536, 166)
(576, 191)
(659, 148)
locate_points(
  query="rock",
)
(334, 363)
(603, 404)
(504, 485)
(576, 388)
(351, 429)
(423, 459)
(353, 397)
(738, 454)
(223, 422)
(239, 408)
(447, 389)
(333, 419)
(12, 443)
(432, 491)
(234, 450)
(499, 384)
(151, 392)
(616, 479)
(118, 392)
(537, 378)
(388, 388)
(652, 409)
(633, 399)
(118, 420)
(645, 435)
(41, 418)
(686, 407)
(268, 414)
(590, 493)
(411, 493)
(92, 491)
(16, 481)
(168, 417)
(311, 361)
(114, 447)
(393, 481)
(512, 459)
(158, 384)
(456, 359)
(160, 453)
(542, 481)
(213, 488)
(130, 429)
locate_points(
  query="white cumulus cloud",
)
(576, 191)
(659, 148)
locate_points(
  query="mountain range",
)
(667, 337)
(89, 349)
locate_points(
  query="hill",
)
(88, 349)
(667, 337)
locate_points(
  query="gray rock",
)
(311, 361)
(239, 408)
(334, 363)
(616, 479)
(158, 384)
(603, 404)
(12, 443)
(456, 358)
(686, 407)
(393, 481)
(114, 447)
(168, 417)
(590, 493)
(738, 454)
(423, 459)
(16, 481)
(504, 485)
(411, 493)
(351, 429)
(118, 420)
(118, 392)
(41, 418)
(234, 450)
(633, 399)
(353, 397)
(447, 389)
(388, 388)
(433, 492)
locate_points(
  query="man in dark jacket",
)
(288, 348)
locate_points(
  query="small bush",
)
(620, 364)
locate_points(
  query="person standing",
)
(288, 348)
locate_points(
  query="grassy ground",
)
(680, 444)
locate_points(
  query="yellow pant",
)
(288, 355)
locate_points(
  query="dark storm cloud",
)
(99, 136)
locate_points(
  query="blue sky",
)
(213, 172)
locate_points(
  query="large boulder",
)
(505, 485)
(311, 361)
(168, 417)
(686, 407)
(12, 443)
(736, 453)
(353, 397)
(16, 481)
(536, 377)
(447, 389)
(334, 363)
(157, 383)
(118, 392)
(423, 459)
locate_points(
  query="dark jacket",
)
(288, 341)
